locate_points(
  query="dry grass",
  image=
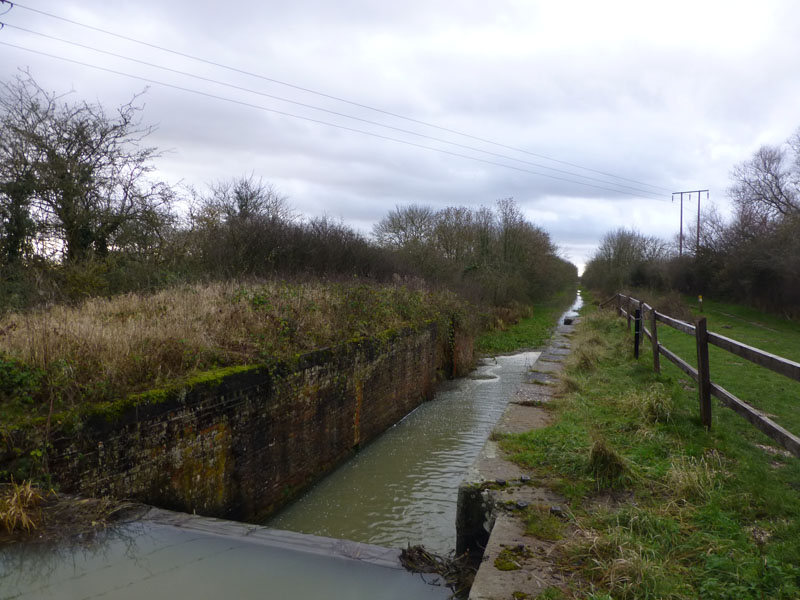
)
(653, 405)
(694, 479)
(567, 384)
(28, 512)
(107, 347)
(19, 506)
(615, 562)
(583, 358)
(589, 345)
(606, 465)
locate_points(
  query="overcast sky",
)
(669, 95)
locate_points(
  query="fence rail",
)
(634, 311)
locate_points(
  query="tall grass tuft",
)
(607, 466)
(693, 479)
(653, 404)
(19, 506)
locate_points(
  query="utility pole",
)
(698, 192)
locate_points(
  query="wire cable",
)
(325, 110)
(324, 95)
(317, 121)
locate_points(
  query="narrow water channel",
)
(402, 488)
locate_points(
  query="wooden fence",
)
(638, 312)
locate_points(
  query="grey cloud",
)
(634, 102)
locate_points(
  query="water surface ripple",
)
(402, 488)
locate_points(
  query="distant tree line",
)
(494, 255)
(753, 257)
(81, 214)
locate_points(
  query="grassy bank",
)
(658, 506)
(107, 348)
(530, 331)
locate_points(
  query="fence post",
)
(654, 340)
(619, 304)
(703, 375)
(628, 310)
(637, 332)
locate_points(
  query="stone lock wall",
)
(244, 443)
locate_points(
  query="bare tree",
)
(405, 226)
(82, 174)
(240, 226)
(768, 185)
(453, 233)
(17, 183)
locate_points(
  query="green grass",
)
(543, 525)
(693, 513)
(770, 392)
(529, 332)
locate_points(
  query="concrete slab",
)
(539, 378)
(276, 538)
(547, 366)
(557, 351)
(533, 574)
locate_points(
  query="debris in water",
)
(457, 571)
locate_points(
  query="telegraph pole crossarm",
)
(698, 192)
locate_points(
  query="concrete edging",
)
(276, 538)
(495, 487)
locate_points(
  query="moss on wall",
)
(240, 442)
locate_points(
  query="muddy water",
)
(402, 488)
(159, 562)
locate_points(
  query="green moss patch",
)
(511, 559)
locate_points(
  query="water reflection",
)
(402, 488)
(573, 310)
(153, 561)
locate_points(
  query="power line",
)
(325, 110)
(312, 120)
(325, 95)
